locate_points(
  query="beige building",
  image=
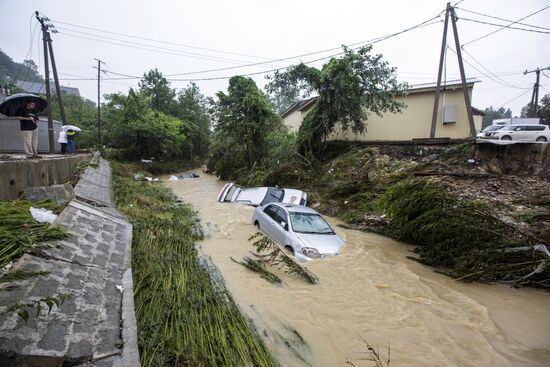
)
(414, 122)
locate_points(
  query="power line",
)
(164, 42)
(513, 99)
(501, 25)
(363, 43)
(31, 38)
(505, 20)
(504, 82)
(504, 27)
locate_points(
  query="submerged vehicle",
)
(233, 193)
(299, 229)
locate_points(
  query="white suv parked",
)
(540, 133)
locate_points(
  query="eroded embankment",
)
(371, 291)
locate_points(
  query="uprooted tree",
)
(349, 89)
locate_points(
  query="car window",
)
(271, 212)
(274, 195)
(536, 128)
(309, 223)
(281, 215)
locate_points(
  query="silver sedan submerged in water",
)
(299, 229)
(233, 193)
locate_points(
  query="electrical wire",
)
(497, 18)
(485, 74)
(513, 99)
(31, 39)
(504, 82)
(362, 44)
(504, 27)
(501, 25)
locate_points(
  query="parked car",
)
(299, 229)
(232, 193)
(540, 133)
(489, 131)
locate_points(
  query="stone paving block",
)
(95, 185)
(61, 194)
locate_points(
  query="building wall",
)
(414, 122)
(293, 120)
(12, 141)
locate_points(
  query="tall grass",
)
(19, 232)
(183, 318)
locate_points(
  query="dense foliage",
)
(184, 318)
(244, 126)
(151, 123)
(543, 110)
(350, 88)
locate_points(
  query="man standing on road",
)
(27, 117)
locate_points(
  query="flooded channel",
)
(371, 292)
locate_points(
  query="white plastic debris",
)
(471, 161)
(43, 215)
(173, 178)
(120, 288)
(146, 161)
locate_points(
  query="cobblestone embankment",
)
(95, 325)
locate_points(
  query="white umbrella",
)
(71, 127)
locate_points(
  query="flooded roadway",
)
(371, 292)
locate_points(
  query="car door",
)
(268, 223)
(521, 133)
(280, 232)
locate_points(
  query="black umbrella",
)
(14, 102)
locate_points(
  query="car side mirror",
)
(284, 225)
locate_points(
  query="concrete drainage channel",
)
(95, 325)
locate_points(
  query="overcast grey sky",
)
(235, 32)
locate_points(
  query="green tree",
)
(350, 89)
(192, 107)
(157, 88)
(543, 110)
(244, 119)
(143, 132)
(490, 114)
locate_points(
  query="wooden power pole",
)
(45, 37)
(535, 95)
(48, 49)
(99, 62)
(450, 12)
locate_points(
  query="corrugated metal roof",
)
(32, 87)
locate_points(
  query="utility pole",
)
(450, 12)
(45, 37)
(56, 81)
(99, 62)
(535, 96)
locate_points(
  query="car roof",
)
(296, 208)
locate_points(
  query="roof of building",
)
(32, 87)
(306, 104)
(300, 106)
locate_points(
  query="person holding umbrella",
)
(27, 117)
(25, 107)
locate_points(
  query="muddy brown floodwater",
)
(371, 292)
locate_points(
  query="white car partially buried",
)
(233, 193)
(299, 229)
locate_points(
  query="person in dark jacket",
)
(29, 129)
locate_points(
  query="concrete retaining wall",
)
(17, 175)
(96, 325)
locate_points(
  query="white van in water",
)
(233, 193)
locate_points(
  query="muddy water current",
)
(371, 292)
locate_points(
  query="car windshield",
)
(309, 223)
(274, 195)
(230, 193)
(493, 128)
